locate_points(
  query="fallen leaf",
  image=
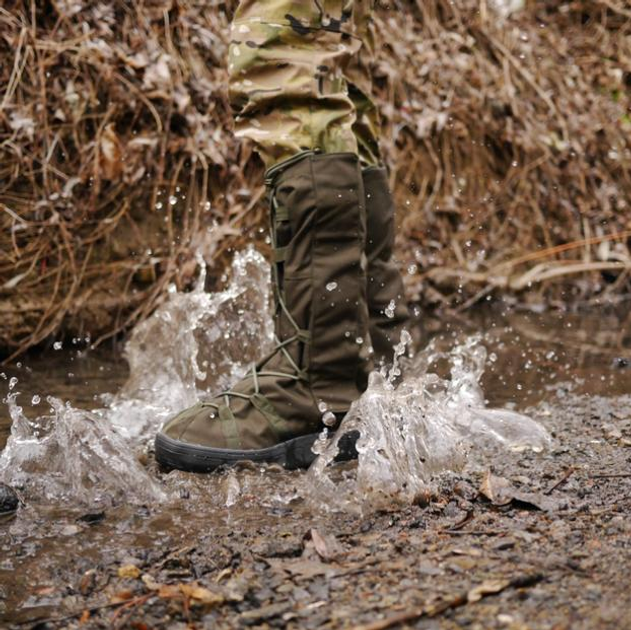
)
(129, 571)
(467, 551)
(150, 583)
(499, 491)
(612, 431)
(536, 500)
(488, 587)
(70, 530)
(169, 591)
(326, 547)
(87, 583)
(201, 595)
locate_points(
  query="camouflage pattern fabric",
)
(300, 77)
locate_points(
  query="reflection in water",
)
(62, 455)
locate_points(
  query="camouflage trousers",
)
(300, 77)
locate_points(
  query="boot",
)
(322, 357)
(386, 296)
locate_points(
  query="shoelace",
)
(300, 335)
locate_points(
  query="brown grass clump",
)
(520, 137)
(509, 142)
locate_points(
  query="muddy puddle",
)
(104, 539)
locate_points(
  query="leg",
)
(287, 66)
(291, 65)
(301, 79)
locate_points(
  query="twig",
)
(78, 613)
(568, 473)
(129, 608)
(456, 602)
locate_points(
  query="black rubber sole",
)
(292, 454)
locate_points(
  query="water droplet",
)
(322, 406)
(359, 341)
(35, 400)
(329, 419)
(57, 345)
(389, 310)
(13, 381)
(172, 200)
(321, 443)
(331, 286)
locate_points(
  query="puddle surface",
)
(82, 421)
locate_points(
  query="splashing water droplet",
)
(89, 457)
(389, 310)
(329, 419)
(410, 432)
(321, 443)
(233, 488)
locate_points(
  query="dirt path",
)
(552, 552)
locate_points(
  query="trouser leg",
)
(300, 79)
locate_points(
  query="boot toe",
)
(198, 425)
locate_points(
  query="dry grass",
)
(509, 142)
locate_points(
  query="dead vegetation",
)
(509, 142)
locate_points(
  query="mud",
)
(515, 540)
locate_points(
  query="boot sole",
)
(292, 454)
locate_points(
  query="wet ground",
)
(516, 540)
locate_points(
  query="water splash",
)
(414, 425)
(195, 344)
(73, 455)
(418, 417)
